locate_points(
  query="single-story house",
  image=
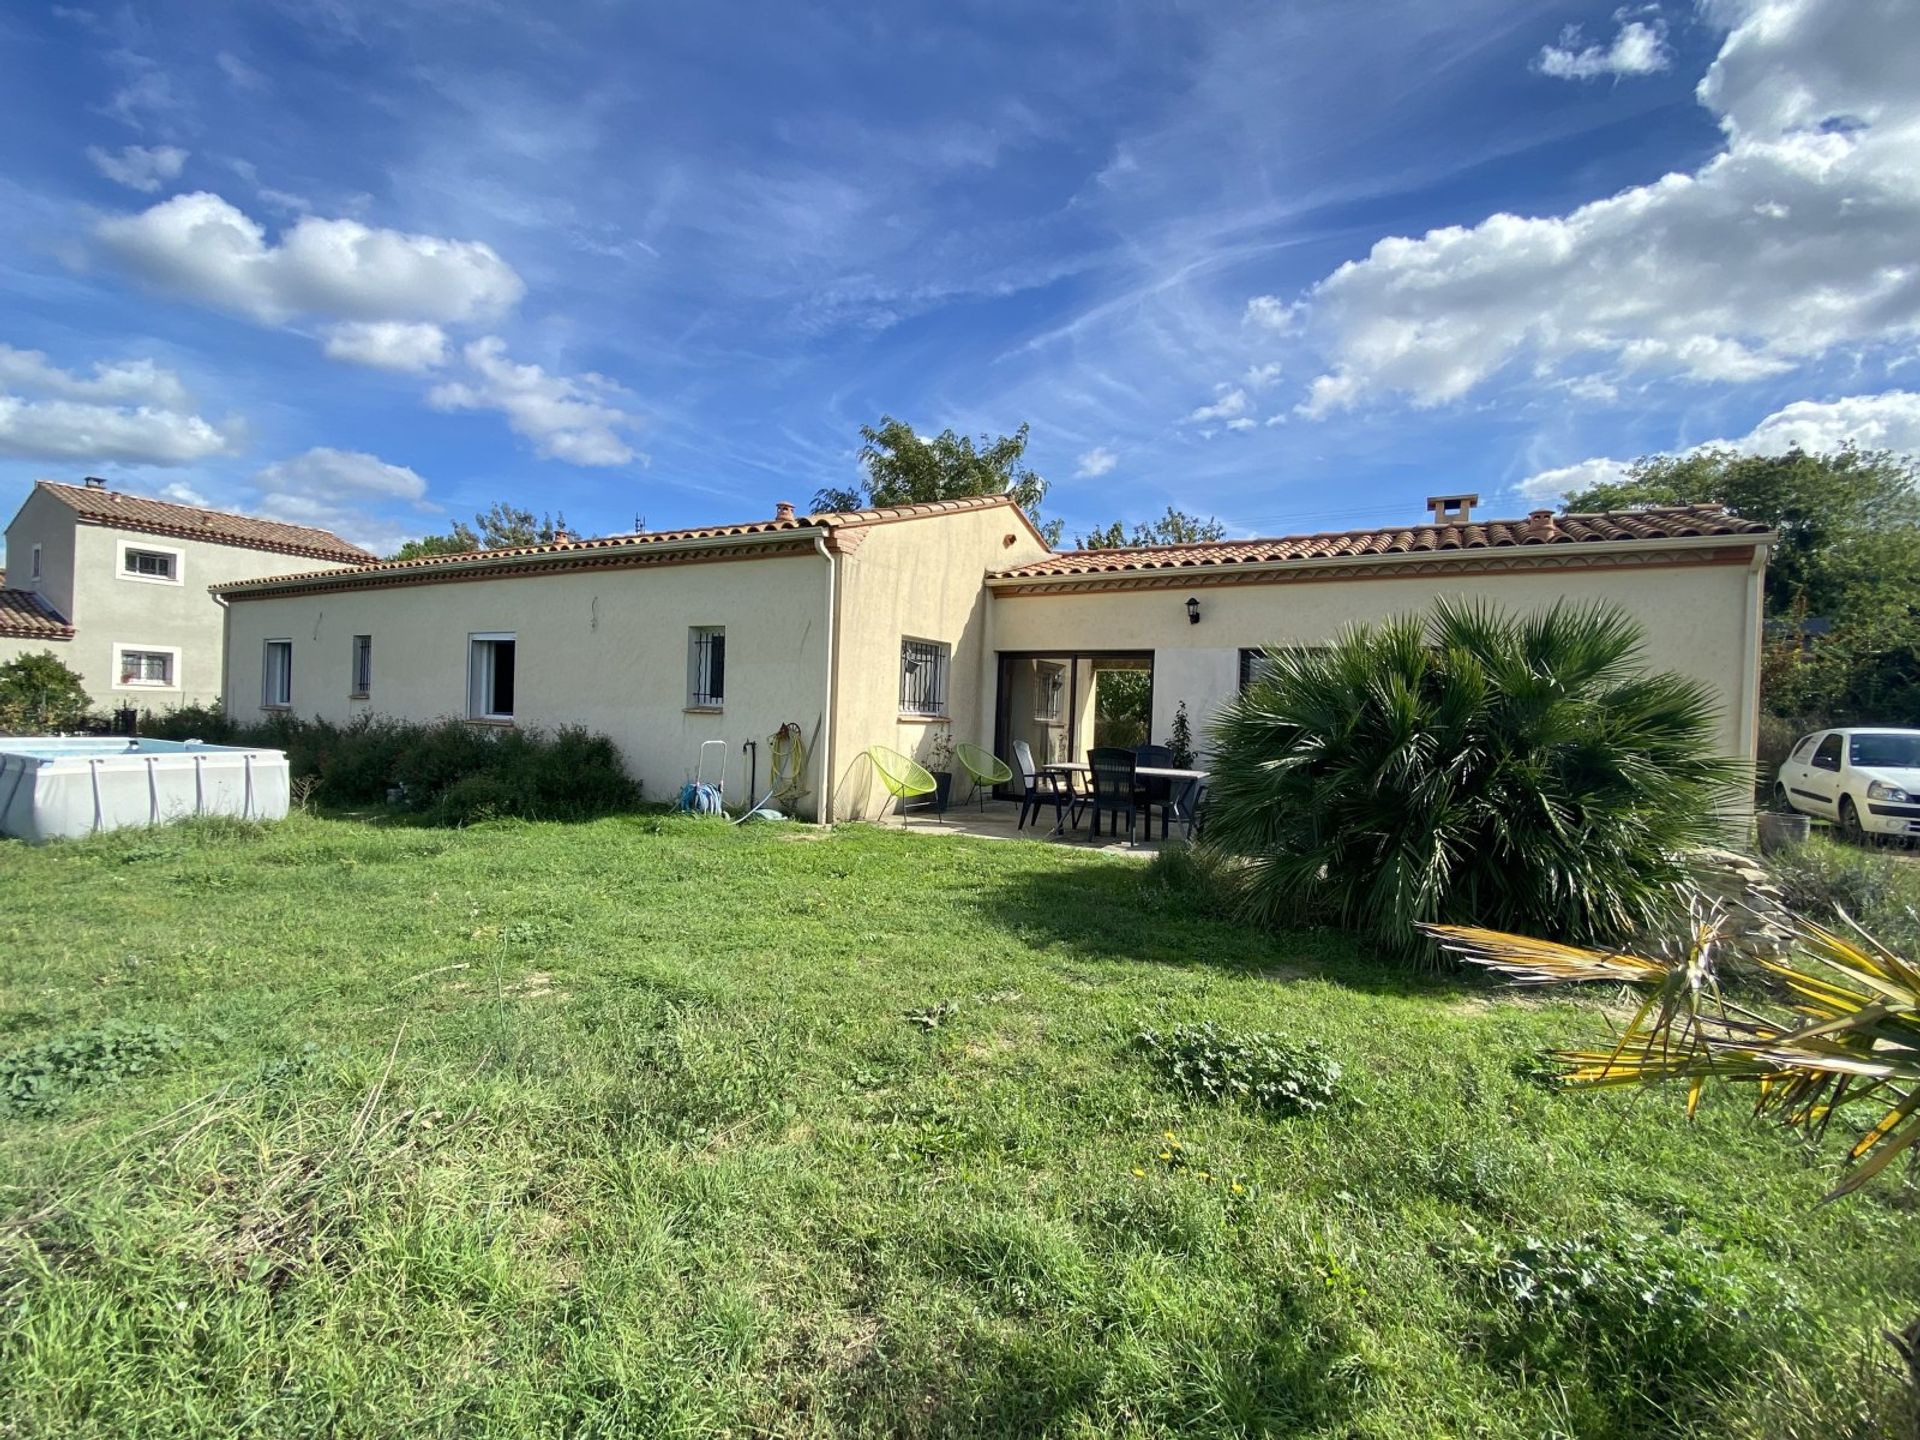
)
(948, 620)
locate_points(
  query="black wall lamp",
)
(1193, 610)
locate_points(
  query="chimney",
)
(783, 510)
(1452, 509)
(562, 535)
(94, 482)
(1541, 525)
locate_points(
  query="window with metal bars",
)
(146, 667)
(151, 564)
(707, 667)
(923, 677)
(362, 666)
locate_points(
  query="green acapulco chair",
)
(984, 768)
(903, 776)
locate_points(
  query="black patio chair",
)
(1116, 790)
(1039, 788)
(1157, 789)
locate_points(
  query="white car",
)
(1866, 781)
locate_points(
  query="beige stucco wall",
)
(82, 577)
(112, 610)
(1701, 620)
(921, 578)
(606, 649)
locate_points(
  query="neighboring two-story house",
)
(116, 585)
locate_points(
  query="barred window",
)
(1252, 662)
(362, 666)
(707, 667)
(146, 667)
(923, 677)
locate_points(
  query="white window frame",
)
(36, 562)
(267, 700)
(120, 652)
(480, 659)
(943, 660)
(355, 689)
(174, 553)
(699, 693)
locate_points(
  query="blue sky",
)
(1295, 264)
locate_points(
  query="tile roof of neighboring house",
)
(1542, 529)
(191, 522)
(751, 532)
(24, 615)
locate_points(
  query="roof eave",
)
(1542, 551)
(478, 565)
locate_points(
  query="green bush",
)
(1470, 767)
(38, 693)
(448, 771)
(1267, 1071)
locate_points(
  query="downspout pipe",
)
(826, 718)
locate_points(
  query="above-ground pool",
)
(59, 788)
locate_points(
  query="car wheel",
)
(1781, 802)
(1850, 825)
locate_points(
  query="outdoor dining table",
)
(1188, 796)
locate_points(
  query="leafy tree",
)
(1469, 767)
(1849, 553)
(40, 692)
(904, 468)
(1176, 527)
(501, 526)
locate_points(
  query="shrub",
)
(38, 693)
(1515, 772)
(1267, 1071)
(451, 772)
(1879, 890)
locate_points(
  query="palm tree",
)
(1520, 771)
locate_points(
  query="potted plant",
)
(940, 766)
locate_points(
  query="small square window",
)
(151, 564)
(276, 675)
(151, 668)
(490, 676)
(706, 667)
(362, 666)
(923, 677)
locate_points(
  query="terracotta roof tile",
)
(1667, 524)
(770, 530)
(191, 522)
(24, 615)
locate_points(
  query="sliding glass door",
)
(1063, 705)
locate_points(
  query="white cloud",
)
(200, 247)
(1888, 421)
(182, 493)
(576, 418)
(1271, 313)
(102, 434)
(239, 73)
(387, 344)
(1242, 422)
(1259, 377)
(139, 167)
(1638, 49)
(1096, 462)
(131, 412)
(1796, 238)
(1231, 401)
(135, 380)
(323, 473)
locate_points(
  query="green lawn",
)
(654, 1127)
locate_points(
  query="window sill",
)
(359, 695)
(152, 579)
(492, 722)
(704, 710)
(276, 709)
(926, 719)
